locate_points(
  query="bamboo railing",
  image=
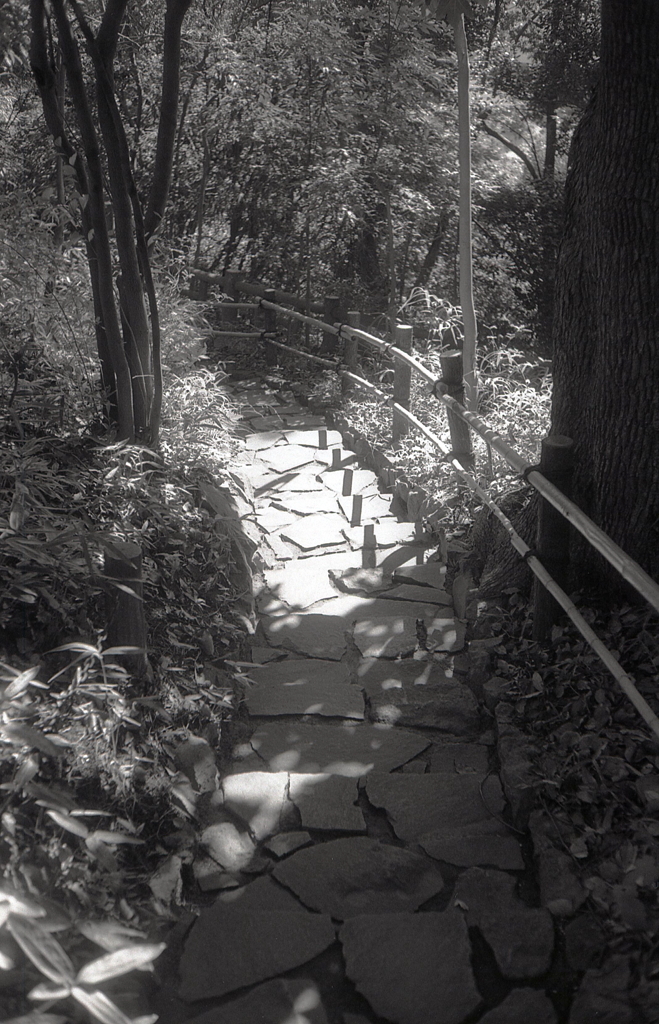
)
(461, 421)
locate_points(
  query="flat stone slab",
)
(305, 503)
(521, 937)
(317, 636)
(284, 999)
(315, 531)
(474, 846)
(373, 506)
(228, 948)
(260, 441)
(301, 482)
(264, 894)
(412, 968)
(303, 420)
(258, 799)
(417, 805)
(445, 634)
(272, 519)
(286, 457)
(314, 438)
(386, 636)
(306, 581)
(327, 802)
(432, 574)
(287, 842)
(460, 758)
(310, 687)
(417, 693)
(357, 580)
(358, 481)
(408, 592)
(232, 849)
(346, 877)
(522, 1006)
(389, 534)
(346, 749)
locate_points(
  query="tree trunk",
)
(606, 358)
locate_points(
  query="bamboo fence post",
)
(270, 327)
(351, 349)
(332, 313)
(403, 334)
(553, 535)
(451, 363)
(231, 289)
(125, 612)
(199, 288)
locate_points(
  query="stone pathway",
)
(357, 843)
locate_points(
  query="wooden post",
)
(553, 536)
(403, 335)
(125, 613)
(198, 289)
(230, 287)
(331, 314)
(451, 363)
(351, 349)
(270, 327)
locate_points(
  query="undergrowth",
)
(89, 811)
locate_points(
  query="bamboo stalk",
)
(365, 384)
(402, 381)
(305, 355)
(313, 321)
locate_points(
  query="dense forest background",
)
(316, 148)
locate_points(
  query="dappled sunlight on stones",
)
(284, 1001)
(345, 877)
(327, 802)
(417, 693)
(258, 799)
(309, 687)
(386, 637)
(521, 937)
(305, 581)
(317, 636)
(412, 968)
(345, 749)
(228, 948)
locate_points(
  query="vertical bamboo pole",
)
(124, 605)
(466, 267)
(270, 327)
(553, 536)
(403, 334)
(351, 349)
(451, 363)
(231, 289)
(331, 315)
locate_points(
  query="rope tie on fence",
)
(530, 469)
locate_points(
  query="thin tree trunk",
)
(96, 202)
(550, 145)
(432, 255)
(466, 269)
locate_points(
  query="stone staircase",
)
(357, 842)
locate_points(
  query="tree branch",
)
(512, 147)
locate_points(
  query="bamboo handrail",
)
(298, 352)
(623, 679)
(629, 569)
(361, 382)
(312, 320)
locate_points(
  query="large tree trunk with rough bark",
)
(606, 335)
